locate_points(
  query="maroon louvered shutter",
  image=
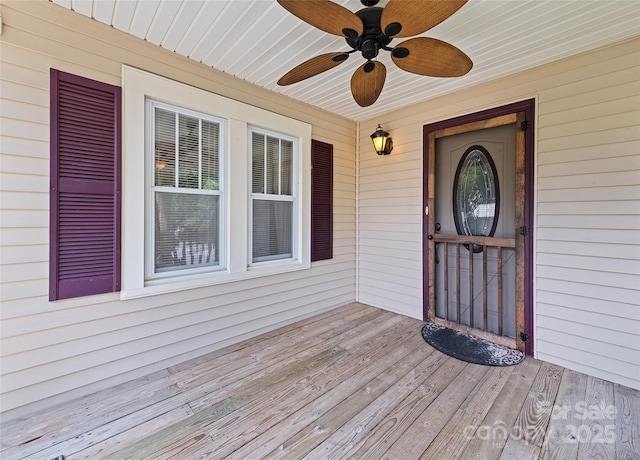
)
(321, 201)
(85, 187)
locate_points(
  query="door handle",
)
(430, 237)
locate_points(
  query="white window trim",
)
(137, 87)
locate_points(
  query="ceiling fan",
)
(370, 30)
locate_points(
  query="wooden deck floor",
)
(356, 382)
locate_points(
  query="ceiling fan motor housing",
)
(372, 37)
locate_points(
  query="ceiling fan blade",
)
(312, 67)
(367, 82)
(416, 16)
(431, 57)
(325, 15)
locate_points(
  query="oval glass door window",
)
(476, 194)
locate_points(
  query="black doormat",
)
(468, 348)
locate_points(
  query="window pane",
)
(186, 231)
(188, 153)
(257, 149)
(164, 152)
(210, 156)
(273, 157)
(286, 167)
(476, 194)
(272, 230)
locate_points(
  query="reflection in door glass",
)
(476, 194)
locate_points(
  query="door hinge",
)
(524, 230)
(524, 125)
(524, 336)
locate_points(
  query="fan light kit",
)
(372, 29)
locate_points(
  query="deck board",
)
(418, 437)
(295, 395)
(451, 442)
(561, 442)
(626, 422)
(308, 425)
(346, 437)
(401, 417)
(493, 432)
(355, 382)
(592, 431)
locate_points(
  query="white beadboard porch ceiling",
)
(258, 41)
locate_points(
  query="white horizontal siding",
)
(389, 191)
(587, 235)
(588, 282)
(53, 351)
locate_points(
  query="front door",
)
(475, 203)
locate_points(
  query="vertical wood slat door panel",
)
(85, 186)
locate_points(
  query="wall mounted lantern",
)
(382, 142)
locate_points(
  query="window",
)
(85, 187)
(476, 194)
(272, 197)
(190, 222)
(184, 206)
